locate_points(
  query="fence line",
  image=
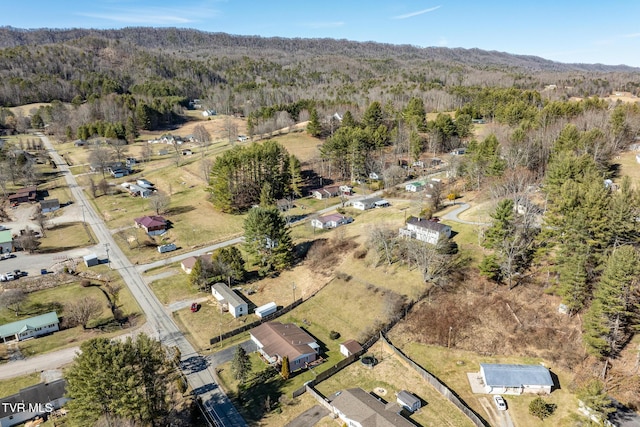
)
(437, 384)
(253, 324)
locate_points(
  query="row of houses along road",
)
(216, 403)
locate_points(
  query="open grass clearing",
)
(628, 166)
(175, 287)
(14, 385)
(301, 144)
(392, 375)
(66, 236)
(451, 367)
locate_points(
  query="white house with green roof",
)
(414, 187)
(30, 328)
(6, 241)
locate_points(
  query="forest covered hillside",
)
(248, 72)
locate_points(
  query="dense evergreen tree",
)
(232, 258)
(414, 114)
(240, 364)
(120, 379)
(268, 240)
(238, 176)
(313, 127)
(614, 312)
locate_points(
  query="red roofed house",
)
(153, 224)
(276, 340)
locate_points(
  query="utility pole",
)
(293, 288)
(106, 248)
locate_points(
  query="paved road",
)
(145, 267)
(453, 215)
(199, 375)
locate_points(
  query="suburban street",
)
(197, 371)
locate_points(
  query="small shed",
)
(350, 347)
(265, 310)
(91, 260)
(408, 401)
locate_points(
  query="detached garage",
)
(515, 379)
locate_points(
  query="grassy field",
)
(175, 287)
(452, 366)
(628, 167)
(14, 385)
(437, 411)
(66, 236)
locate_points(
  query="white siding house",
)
(425, 230)
(369, 203)
(515, 379)
(330, 221)
(225, 296)
(30, 328)
(414, 187)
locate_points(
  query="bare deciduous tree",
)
(100, 157)
(120, 148)
(13, 299)
(147, 152)
(384, 241)
(159, 202)
(82, 311)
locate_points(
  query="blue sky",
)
(588, 31)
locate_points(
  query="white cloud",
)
(631, 36)
(443, 42)
(152, 15)
(420, 12)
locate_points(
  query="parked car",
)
(43, 271)
(500, 403)
(3, 278)
(194, 307)
(10, 276)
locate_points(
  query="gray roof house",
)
(37, 399)
(356, 407)
(226, 296)
(515, 379)
(30, 328)
(49, 205)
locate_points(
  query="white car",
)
(500, 403)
